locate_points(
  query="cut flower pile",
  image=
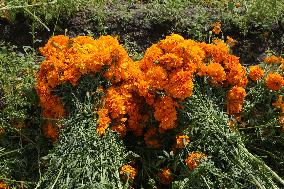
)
(144, 99)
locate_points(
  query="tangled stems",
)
(213, 124)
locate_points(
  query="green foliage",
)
(16, 83)
(20, 139)
(82, 159)
(229, 164)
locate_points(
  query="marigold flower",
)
(165, 176)
(165, 113)
(274, 81)
(151, 56)
(273, 59)
(235, 101)
(50, 131)
(194, 159)
(236, 94)
(68, 59)
(3, 185)
(116, 102)
(256, 73)
(128, 172)
(103, 121)
(216, 27)
(170, 61)
(182, 141)
(237, 75)
(231, 42)
(170, 42)
(157, 77)
(180, 85)
(279, 103)
(216, 72)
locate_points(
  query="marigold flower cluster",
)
(163, 77)
(128, 172)
(165, 176)
(194, 159)
(221, 67)
(66, 60)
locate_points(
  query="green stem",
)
(57, 177)
(37, 18)
(275, 175)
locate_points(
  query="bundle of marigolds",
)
(143, 99)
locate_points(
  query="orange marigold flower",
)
(237, 74)
(237, 94)
(103, 121)
(3, 185)
(151, 56)
(170, 42)
(182, 141)
(51, 131)
(165, 113)
(231, 42)
(256, 73)
(194, 159)
(216, 72)
(236, 98)
(216, 27)
(157, 77)
(135, 120)
(279, 103)
(128, 172)
(170, 61)
(54, 46)
(116, 102)
(180, 85)
(274, 81)
(234, 108)
(273, 59)
(202, 70)
(165, 176)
